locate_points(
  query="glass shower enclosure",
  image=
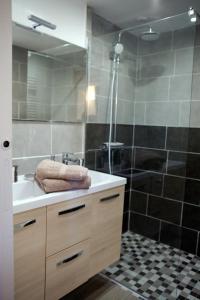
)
(146, 127)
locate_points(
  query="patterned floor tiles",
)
(155, 270)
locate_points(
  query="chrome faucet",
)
(71, 159)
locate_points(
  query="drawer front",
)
(104, 257)
(29, 254)
(67, 270)
(106, 229)
(68, 223)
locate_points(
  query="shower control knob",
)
(6, 144)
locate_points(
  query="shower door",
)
(158, 123)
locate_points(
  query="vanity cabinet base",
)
(61, 246)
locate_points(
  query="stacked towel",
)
(53, 176)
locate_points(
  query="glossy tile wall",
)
(34, 141)
(102, 38)
(165, 82)
(165, 186)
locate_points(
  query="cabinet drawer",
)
(67, 270)
(106, 228)
(29, 254)
(68, 223)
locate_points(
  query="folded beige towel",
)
(49, 169)
(58, 185)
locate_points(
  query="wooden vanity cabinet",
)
(29, 254)
(74, 239)
(105, 243)
(68, 223)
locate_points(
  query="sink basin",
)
(26, 189)
(28, 195)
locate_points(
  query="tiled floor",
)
(99, 288)
(156, 271)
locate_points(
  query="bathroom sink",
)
(24, 189)
(28, 195)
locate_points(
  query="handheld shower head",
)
(118, 48)
(116, 52)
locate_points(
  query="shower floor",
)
(155, 270)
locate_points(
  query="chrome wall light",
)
(192, 14)
(41, 22)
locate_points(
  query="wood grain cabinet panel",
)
(74, 240)
(68, 223)
(29, 254)
(67, 270)
(107, 214)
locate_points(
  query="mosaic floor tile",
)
(156, 271)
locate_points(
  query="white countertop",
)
(27, 194)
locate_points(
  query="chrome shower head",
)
(118, 48)
(149, 35)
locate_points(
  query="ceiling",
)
(131, 12)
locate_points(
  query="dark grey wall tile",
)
(174, 187)
(138, 202)
(102, 161)
(147, 182)
(183, 139)
(177, 138)
(191, 216)
(124, 134)
(90, 162)
(182, 189)
(144, 225)
(164, 209)
(116, 159)
(177, 163)
(127, 174)
(193, 166)
(150, 136)
(178, 237)
(198, 249)
(126, 158)
(96, 135)
(125, 222)
(194, 138)
(192, 191)
(152, 160)
(126, 200)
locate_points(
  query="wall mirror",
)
(49, 77)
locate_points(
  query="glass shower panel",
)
(157, 109)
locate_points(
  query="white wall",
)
(69, 16)
(6, 226)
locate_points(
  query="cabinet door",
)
(29, 254)
(67, 270)
(68, 223)
(106, 228)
